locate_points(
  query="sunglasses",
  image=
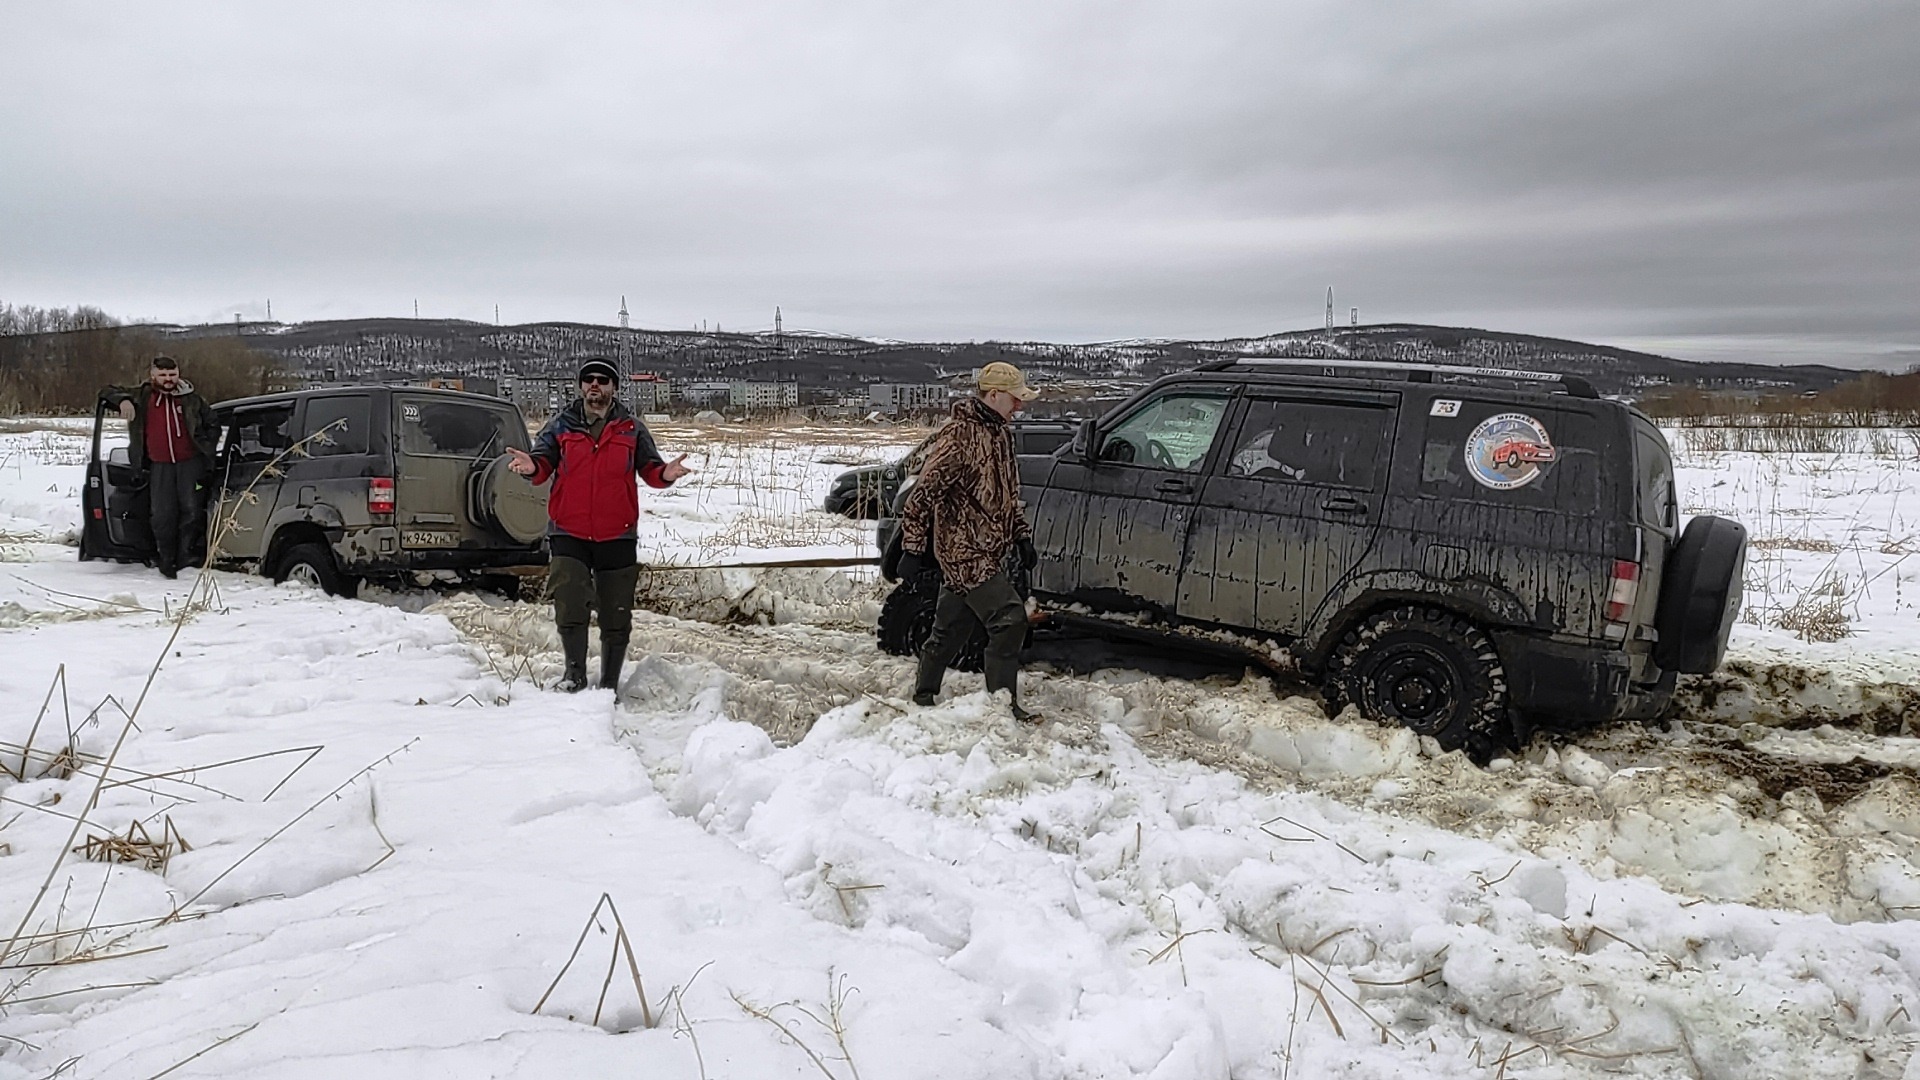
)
(587, 380)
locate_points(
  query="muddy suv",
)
(1464, 551)
(339, 485)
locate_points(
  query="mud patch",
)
(1797, 697)
(1835, 782)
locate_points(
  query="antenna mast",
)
(1329, 309)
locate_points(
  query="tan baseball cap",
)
(1001, 375)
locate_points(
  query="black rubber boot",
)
(573, 642)
(613, 653)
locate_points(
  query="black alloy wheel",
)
(1430, 671)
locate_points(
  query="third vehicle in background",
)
(869, 491)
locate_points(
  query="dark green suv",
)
(346, 484)
(1463, 551)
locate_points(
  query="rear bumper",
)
(1559, 683)
(377, 551)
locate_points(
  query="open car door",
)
(113, 502)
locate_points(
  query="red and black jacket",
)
(594, 494)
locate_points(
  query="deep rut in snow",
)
(1823, 821)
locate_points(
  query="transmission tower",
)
(1329, 309)
(1353, 316)
(623, 313)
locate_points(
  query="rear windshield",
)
(433, 426)
(1541, 458)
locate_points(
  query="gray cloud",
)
(1715, 178)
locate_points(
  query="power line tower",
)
(623, 314)
(1329, 309)
(776, 320)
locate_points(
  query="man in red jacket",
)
(593, 451)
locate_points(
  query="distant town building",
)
(647, 392)
(763, 395)
(906, 397)
(704, 394)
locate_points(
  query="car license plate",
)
(429, 538)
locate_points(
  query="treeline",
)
(27, 319)
(1870, 400)
(63, 372)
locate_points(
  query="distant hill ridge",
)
(367, 348)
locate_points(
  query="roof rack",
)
(1572, 385)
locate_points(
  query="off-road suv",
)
(1464, 551)
(343, 484)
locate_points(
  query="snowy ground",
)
(368, 841)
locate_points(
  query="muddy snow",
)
(360, 837)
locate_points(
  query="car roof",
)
(329, 391)
(1296, 371)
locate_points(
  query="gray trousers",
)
(995, 605)
(175, 510)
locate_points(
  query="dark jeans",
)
(994, 605)
(584, 576)
(176, 511)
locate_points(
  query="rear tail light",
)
(1625, 589)
(380, 495)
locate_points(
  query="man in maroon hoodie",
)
(171, 435)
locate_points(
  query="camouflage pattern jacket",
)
(967, 499)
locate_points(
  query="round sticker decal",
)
(1508, 451)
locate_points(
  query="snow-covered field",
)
(360, 840)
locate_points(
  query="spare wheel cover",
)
(511, 504)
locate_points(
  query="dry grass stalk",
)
(833, 1023)
(1816, 618)
(1307, 829)
(622, 945)
(175, 914)
(209, 1048)
(138, 846)
(203, 580)
(26, 749)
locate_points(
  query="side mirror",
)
(1083, 441)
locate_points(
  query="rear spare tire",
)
(1429, 671)
(1700, 595)
(506, 502)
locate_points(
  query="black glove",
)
(1029, 555)
(911, 565)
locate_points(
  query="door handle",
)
(1343, 504)
(1173, 485)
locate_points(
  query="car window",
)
(1313, 442)
(337, 425)
(1173, 431)
(259, 434)
(1511, 455)
(1655, 472)
(443, 427)
(1041, 440)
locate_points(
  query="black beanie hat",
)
(598, 365)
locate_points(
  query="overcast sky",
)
(1709, 180)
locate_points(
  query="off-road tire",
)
(314, 563)
(1430, 671)
(906, 617)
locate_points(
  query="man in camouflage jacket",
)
(964, 513)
